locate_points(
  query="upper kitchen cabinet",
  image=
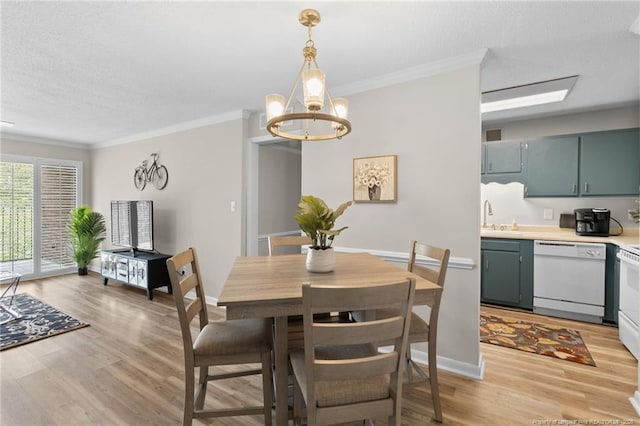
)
(502, 161)
(551, 167)
(610, 163)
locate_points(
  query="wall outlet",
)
(548, 214)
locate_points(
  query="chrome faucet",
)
(484, 213)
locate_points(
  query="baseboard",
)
(635, 401)
(460, 368)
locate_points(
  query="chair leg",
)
(267, 387)
(433, 379)
(202, 384)
(297, 402)
(188, 395)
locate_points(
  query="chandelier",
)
(317, 124)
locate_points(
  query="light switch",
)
(548, 214)
(233, 206)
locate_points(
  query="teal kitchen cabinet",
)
(507, 272)
(610, 163)
(551, 167)
(502, 161)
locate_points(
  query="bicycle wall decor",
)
(156, 174)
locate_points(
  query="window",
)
(36, 197)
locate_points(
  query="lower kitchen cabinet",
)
(507, 272)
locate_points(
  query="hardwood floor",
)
(127, 368)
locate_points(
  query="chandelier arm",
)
(295, 85)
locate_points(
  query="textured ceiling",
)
(99, 72)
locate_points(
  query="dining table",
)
(271, 287)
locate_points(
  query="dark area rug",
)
(543, 339)
(37, 321)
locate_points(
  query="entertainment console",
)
(138, 268)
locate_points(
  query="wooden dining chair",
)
(276, 242)
(218, 343)
(340, 375)
(422, 331)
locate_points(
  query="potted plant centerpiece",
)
(316, 220)
(87, 230)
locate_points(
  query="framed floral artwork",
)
(374, 179)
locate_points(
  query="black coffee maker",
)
(592, 222)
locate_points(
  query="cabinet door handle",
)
(573, 188)
(486, 263)
(586, 187)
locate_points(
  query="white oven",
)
(629, 306)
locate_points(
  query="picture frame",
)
(375, 179)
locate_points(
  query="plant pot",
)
(83, 271)
(321, 260)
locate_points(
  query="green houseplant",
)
(317, 220)
(87, 229)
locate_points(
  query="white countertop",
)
(554, 233)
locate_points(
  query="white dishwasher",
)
(568, 280)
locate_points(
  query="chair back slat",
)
(193, 309)
(357, 332)
(188, 284)
(286, 241)
(343, 298)
(354, 369)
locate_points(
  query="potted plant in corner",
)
(87, 230)
(316, 220)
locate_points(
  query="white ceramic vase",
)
(321, 260)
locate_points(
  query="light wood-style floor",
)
(127, 369)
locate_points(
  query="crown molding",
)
(187, 125)
(44, 141)
(414, 73)
(402, 76)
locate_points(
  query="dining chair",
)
(295, 329)
(422, 331)
(217, 343)
(276, 242)
(340, 374)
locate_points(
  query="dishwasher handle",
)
(555, 244)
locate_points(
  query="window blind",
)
(59, 189)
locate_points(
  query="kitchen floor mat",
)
(543, 339)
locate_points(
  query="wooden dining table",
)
(271, 287)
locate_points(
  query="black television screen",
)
(132, 224)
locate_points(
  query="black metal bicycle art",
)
(156, 174)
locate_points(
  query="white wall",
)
(433, 126)
(508, 201)
(279, 190)
(194, 210)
